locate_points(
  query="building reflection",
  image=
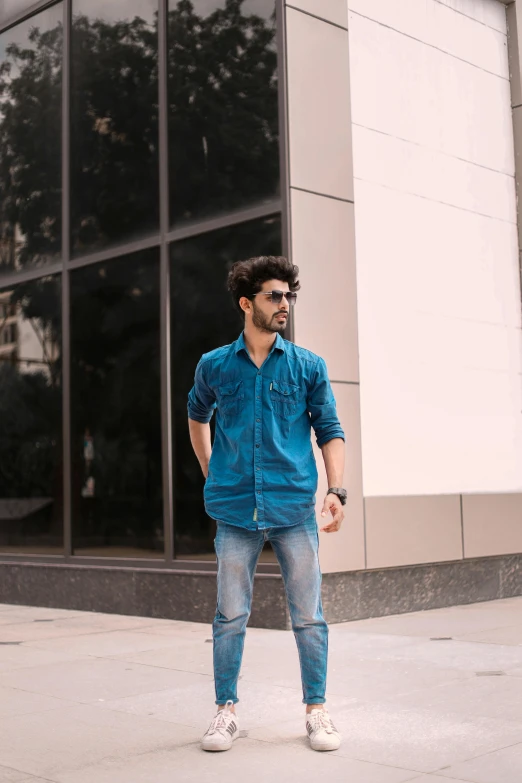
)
(30, 426)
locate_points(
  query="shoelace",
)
(219, 724)
(321, 720)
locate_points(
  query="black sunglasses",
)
(277, 296)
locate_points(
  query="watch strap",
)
(340, 492)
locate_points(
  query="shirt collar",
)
(279, 344)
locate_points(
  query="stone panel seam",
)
(434, 149)
(364, 534)
(471, 18)
(515, 66)
(323, 195)
(435, 201)
(462, 527)
(430, 46)
(319, 18)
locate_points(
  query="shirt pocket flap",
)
(230, 389)
(286, 389)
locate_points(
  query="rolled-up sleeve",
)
(201, 399)
(322, 408)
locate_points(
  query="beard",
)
(266, 324)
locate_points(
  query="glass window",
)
(30, 141)
(11, 8)
(203, 318)
(223, 118)
(114, 122)
(115, 408)
(31, 505)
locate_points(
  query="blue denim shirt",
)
(262, 471)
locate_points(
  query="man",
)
(261, 480)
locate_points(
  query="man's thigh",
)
(237, 552)
(297, 550)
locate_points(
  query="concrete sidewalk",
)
(91, 698)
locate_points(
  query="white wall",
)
(438, 286)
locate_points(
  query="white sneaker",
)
(321, 732)
(223, 730)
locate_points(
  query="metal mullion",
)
(23, 15)
(224, 221)
(14, 278)
(284, 146)
(139, 563)
(165, 347)
(114, 252)
(66, 296)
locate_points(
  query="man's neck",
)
(258, 343)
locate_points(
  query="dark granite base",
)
(362, 594)
(191, 595)
(176, 595)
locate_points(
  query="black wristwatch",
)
(342, 494)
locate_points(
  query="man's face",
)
(267, 316)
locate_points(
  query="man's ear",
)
(245, 304)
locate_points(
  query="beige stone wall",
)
(387, 159)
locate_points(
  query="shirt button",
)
(258, 419)
(258, 491)
(257, 445)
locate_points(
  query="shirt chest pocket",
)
(231, 398)
(285, 399)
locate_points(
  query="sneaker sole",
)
(218, 748)
(324, 748)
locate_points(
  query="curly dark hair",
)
(246, 277)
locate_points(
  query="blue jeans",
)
(296, 549)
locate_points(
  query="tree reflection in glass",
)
(30, 141)
(115, 408)
(31, 507)
(114, 122)
(223, 106)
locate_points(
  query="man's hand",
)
(333, 505)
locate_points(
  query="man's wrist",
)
(340, 493)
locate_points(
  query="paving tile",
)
(177, 628)
(40, 612)
(502, 766)
(22, 657)
(75, 625)
(434, 779)
(19, 702)
(23, 778)
(257, 760)
(413, 739)
(79, 737)
(364, 673)
(176, 652)
(378, 680)
(364, 642)
(454, 621)
(466, 656)
(8, 775)
(192, 703)
(487, 697)
(511, 635)
(92, 679)
(109, 643)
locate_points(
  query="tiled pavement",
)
(429, 697)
